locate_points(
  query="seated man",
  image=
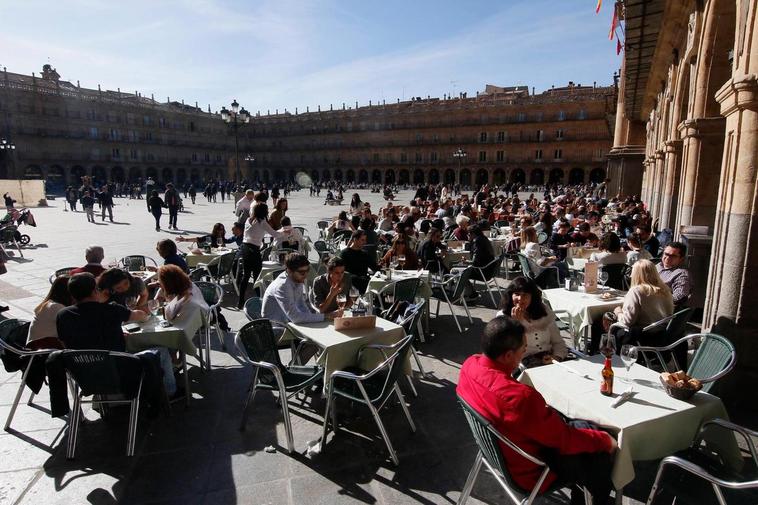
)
(583, 236)
(674, 275)
(575, 455)
(649, 240)
(285, 299)
(94, 255)
(93, 324)
(357, 261)
(431, 251)
(327, 286)
(291, 237)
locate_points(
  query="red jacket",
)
(520, 413)
(92, 268)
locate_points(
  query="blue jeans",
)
(167, 367)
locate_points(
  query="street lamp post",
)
(250, 158)
(9, 147)
(459, 154)
(235, 118)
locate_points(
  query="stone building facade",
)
(687, 137)
(63, 131)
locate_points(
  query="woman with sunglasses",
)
(400, 248)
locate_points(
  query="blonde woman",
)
(647, 301)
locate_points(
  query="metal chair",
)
(96, 372)
(500, 223)
(667, 330)
(542, 238)
(213, 294)
(616, 275)
(714, 358)
(8, 236)
(403, 290)
(12, 338)
(279, 253)
(219, 267)
(489, 439)
(59, 273)
(372, 389)
(540, 279)
(322, 249)
(257, 343)
(701, 462)
(137, 262)
(453, 290)
(488, 275)
(322, 226)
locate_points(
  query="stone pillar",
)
(703, 140)
(672, 170)
(656, 188)
(732, 293)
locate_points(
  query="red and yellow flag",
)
(614, 24)
(597, 8)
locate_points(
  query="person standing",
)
(173, 202)
(72, 195)
(242, 209)
(192, 193)
(9, 201)
(106, 203)
(256, 228)
(155, 207)
(88, 202)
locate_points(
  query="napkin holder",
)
(354, 323)
(590, 276)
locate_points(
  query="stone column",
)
(656, 188)
(672, 170)
(732, 293)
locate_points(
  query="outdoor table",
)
(145, 275)
(584, 308)
(576, 264)
(179, 338)
(379, 280)
(505, 230)
(581, 252)
(194, 258)
(650, 425)
(456, 255)
(340, 348)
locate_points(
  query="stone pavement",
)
(199, 455)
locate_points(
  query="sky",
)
(283, 54)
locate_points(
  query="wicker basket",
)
(683, 394)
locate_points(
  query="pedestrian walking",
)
(155, 207)
(88, 202)
(72, 195)
(106, 203)
(9, 201)
(192, 193)
(173, 202)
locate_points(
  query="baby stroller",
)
(9, 234)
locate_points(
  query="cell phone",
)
(132, 327)
(165, 324)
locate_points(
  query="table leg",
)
(619, 496)
(187, 392)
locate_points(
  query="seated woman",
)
(183, 298)
(167, 250)
(539, 263)
(217, 237)
(610, 251)
(341, 223)
(124, 289)
(461, 233)
(400, 247)
(523, 301)
(636, 251)
(356, 206)
(648, 300)
(43, 332)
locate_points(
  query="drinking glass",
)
(602, 277)
(607, 345)
(341, 301)
(401, 260)
(153, 305)
(354, 294)
(629, 355)
(131, 302)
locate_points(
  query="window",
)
(133, 154)
(435, 138)
(114, 134)
(419, 137)
(403, 157)
(207, 157)
(558, 154)
(561, 115)
(93, 133)
(501, 136)
(376, 157)
(500, 156)
(150, 157)
(559, 134)
(192, 126)
(582, 114)
(539, 135)
(538, 154)
(433, 157)
(194, 156)
(133, 137)
(218, 157)
(115, 153)
(419, 157)
(146, 120)
(482, 156)
(483, 137)
(377, 126)
(521, 117)
(149, 136)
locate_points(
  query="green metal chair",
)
(714, 358)
(137, 262)
(372, 389)
(490, 455)
(60, 272)
(212, 294)
(452, 290)
(257, 343)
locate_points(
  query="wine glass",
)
(354, 294)
(629, 355)
(401, 260)
(602, 277)
(341, 301)
(607, 345)
(131, 302)
(152, 306)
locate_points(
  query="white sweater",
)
(542, 335)
(640, 309)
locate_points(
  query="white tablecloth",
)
(576, 263)
(341, 347)
(379, 281)
(583, 307)
(651, 425)
(193, 259)
(151, 334)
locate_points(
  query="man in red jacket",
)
(575, 455)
